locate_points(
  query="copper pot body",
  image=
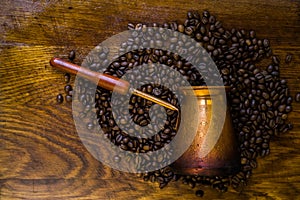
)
(224, 157)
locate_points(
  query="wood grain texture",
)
(41, 155)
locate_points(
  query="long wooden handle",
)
(103, 80)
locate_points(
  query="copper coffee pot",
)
(224, 157)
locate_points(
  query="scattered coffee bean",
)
(59, 98)
(67, 78)
(72, 55)
(199, 193)
(68, 88)
(68, 98)
(288, 58)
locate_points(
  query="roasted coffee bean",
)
(282, 108)
(265, 145)
(156, 91)
(68, 98)
(199, 193)
(266, 43)
(68, 88)
(244, 161)
(258, 140)
(275, 60)
(117, 159)
(189, 30)
(130, 26)
(284, 116)
(288, 58)
(90, 126)
(67, 78)
(162, 185)
(252, 34)
(288, 109)
(289, 100)
(181, 28)
(212, 19)
(59, 98)
(72, 55)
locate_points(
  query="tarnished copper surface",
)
(224, 157)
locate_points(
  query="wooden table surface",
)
(41, 155)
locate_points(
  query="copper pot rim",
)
(206, 90)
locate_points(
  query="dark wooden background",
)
(41, 155)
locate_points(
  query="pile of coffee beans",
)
(259, 100)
